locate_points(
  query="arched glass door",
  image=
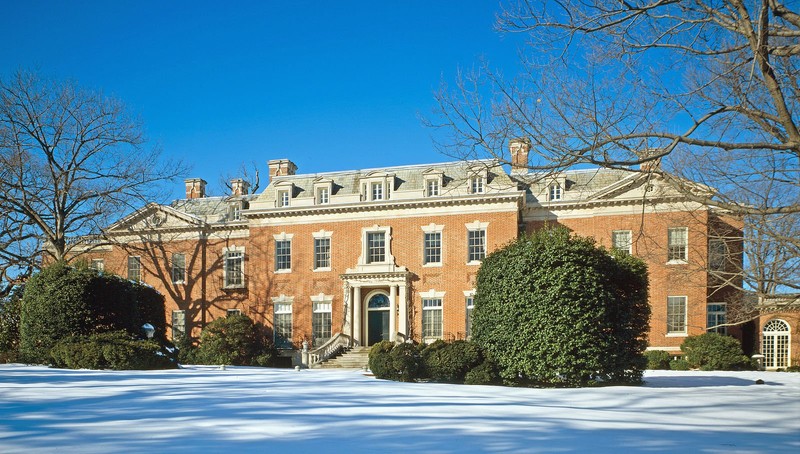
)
(775, 341)
(377, 318)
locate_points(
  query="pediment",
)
(154, 217)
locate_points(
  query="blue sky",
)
(329, 85)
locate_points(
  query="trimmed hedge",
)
(235, 340)
(553, 309)
(657, 359)
(63, 301)
(713, 351)
(115, 350)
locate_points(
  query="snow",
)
(244, 409)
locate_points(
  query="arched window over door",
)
(775, 341)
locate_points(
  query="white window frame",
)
(473, 227)
(283, 238)
(672, 256)
(628, 247)
(282, 305)
(231, 253)
(432, 229)
(429, 305)
(173, 268)
(135, 268)
(672, 300)
(319, 236)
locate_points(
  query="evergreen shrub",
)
(657, 359)
(553, 309)
(115, 350)
(235, 340)
(713, 351)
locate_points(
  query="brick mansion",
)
(355, 257)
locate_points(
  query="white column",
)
(402, 327)
(357, 329)
(392, 313)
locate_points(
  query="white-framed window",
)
(676, 315)
(622, 241)
(178, 324)
(476, 184)
(283, 198)
(178, 268)
(716, 316)
(232, 312)
(98, 265)
(321, 320)
(282, 320)
(283, 255)
(432, 322)
(775, 344)
(323, 195)
(377, 191)
(376, 247)
(135, 268)
(555, 192)
(234, 267)
(431, 187)
(677, 244)
(476, 241)
(469, 299)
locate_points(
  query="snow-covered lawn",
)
(203, 409)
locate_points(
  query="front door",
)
(378, 326)
(377, 318)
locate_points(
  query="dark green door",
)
(378, 326)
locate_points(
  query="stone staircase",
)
(355, 358)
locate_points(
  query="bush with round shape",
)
(451, 362)
(713, 351)
(657, 359)
(235, 340)
(115, 350)
(62, 301)
(553, 309)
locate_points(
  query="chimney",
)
(239, 187)
(519, 149)
(195, 188)
(281, 167)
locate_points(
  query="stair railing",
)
(335, 345)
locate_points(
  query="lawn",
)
(204, 409)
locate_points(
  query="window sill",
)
(677, 335)
(677, 262)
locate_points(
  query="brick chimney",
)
(281, 167)
(239, 187)
(519, 149)
(195, 188)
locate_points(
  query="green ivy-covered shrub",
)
(657, 359)
(713, 351)
(115, 350)
(553, 309)
(235, 340)
(451, 362)
(9, 327)
(63, 301)
(380, 363)
(483, 374)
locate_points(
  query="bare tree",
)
(701, 93)
(70, 160)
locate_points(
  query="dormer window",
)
(476, 184)
(555, 191)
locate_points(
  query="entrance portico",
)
(376, 306)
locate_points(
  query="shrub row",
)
(456, 362)
(115, 350)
